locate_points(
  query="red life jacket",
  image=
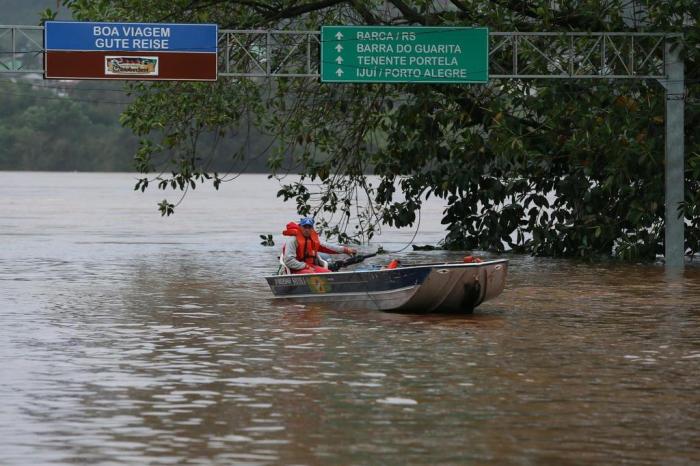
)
(307, 248)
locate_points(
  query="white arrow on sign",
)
(339, 60)
(338, 35)
(339, 48)
(339, 72)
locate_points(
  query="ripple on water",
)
(395, 400)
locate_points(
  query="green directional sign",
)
(385, 54)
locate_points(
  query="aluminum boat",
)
(421, 288)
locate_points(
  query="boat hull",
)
(444, 287)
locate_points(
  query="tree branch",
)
(364, 12)
(409, 13)
(459, 5)
(303, 9)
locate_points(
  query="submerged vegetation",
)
(555, 168)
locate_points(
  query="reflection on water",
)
(128, 338)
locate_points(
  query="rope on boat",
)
(412, 239)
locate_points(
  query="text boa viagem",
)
(131, 37)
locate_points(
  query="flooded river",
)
(128, 338)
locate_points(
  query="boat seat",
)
(321, 262)
(283, 270)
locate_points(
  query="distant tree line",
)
(53, 126)
(42, 130)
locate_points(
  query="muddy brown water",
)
(128, 338)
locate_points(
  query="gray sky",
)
(27, 12)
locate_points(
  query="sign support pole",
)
(674, 84)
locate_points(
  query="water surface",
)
(128, 338)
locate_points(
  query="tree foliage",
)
(556, 168)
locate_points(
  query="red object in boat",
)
(393, 264)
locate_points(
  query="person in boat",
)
(300, 252)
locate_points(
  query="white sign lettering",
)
(131, 37)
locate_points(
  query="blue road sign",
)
(128, 37)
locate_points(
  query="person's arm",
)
(331, 249)
(290, 255)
